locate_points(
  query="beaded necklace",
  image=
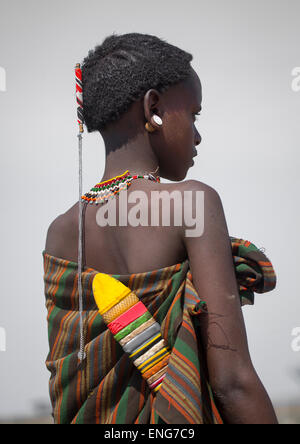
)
(103, 191)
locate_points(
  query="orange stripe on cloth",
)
(172, 401)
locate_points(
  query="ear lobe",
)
(157, 121)
(149, 127)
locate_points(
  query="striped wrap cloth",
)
(108, 388)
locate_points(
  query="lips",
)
(192, 160)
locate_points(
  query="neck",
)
(127, 145)
(136, 156)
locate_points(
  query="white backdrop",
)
(244, 52)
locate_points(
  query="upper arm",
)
(55, 237)
(223, 330)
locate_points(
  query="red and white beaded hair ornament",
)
(78, 77)
(96, 194)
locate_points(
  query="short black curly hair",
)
(122, 69)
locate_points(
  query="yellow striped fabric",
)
(159, 352)
(149, 353)
(145, 345)
(159, 356)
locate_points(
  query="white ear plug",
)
(157, 119)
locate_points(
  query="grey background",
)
(244, 52)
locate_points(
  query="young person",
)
(142, 95)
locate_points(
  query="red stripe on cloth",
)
(126, 318)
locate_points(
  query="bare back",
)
(120, 249)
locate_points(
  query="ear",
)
(152, 106)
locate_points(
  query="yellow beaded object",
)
(119, 308)
(133, 326)
(108, 291)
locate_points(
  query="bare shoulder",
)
(197, 185)
(60, 232)
(210, 194)
(196, 189)
(203, 201)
